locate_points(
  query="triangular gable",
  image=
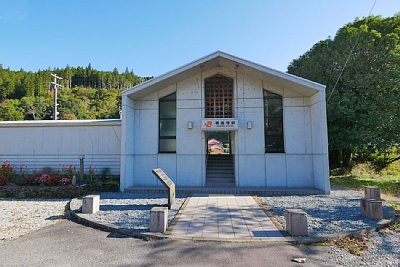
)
(223, 59)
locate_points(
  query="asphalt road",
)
(70, 244)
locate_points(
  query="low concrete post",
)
(159, 219)
(375, 209)
(296, 222)
(91, 204)
(371, 192)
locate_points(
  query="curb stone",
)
(74, 212)
(177, 216)
(84, 219)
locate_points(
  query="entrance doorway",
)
(220, 168)
(218, 143)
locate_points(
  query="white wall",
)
(55, 144)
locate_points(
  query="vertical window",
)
(219, 97)
(273, 118)
(167, 130)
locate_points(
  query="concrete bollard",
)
(375, 209)
(159, 219)
(371, 192)
(91, 204)
(296, 222)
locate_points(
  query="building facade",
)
(225, 121)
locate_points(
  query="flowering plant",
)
(23, 171)
(3, 180)
(32, 180)
(65, 181)
(22, 177)
(69, 171)
(7, 170)
(46, 179)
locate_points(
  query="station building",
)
(225, 121)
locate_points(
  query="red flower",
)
(65, 181)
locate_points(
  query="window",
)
(273, 119)
(167, 130)
(219, 97)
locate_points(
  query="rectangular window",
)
(167, 124)
(273, 119)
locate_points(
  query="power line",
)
(348, 58)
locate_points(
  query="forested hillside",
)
(88, 93)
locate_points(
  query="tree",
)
(364, 109)
(10, 111)
(37, 108)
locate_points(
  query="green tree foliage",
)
(88, 93)
(364, 109)
(10, 110)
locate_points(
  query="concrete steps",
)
(220, 171)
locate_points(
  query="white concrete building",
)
(218, 121)
(272, 125)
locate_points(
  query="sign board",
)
(169, 184)
(219, 124)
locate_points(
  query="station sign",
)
(225, 124)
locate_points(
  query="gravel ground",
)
(132, 210)
(327, 214)
(336, 213)
(20, 217)
(383, 250)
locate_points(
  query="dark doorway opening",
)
(220, 170)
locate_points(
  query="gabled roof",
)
(219, 58)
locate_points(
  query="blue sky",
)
(152, 37)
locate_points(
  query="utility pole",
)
(56, 85)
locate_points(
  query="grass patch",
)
(363, 174)
(387, 185)
(395, 227)
(321, 244)
(355, 245)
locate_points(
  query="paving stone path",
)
(225, 217)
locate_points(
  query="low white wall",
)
(55, 144)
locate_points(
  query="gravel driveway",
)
(19, 217)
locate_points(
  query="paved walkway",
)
(226, 217)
